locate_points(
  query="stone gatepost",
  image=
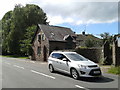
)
(116, 52)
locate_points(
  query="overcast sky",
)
(94, 17)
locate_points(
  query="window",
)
(58, 56)
(38, 51)
(75, 57)
(39, 37)
(43, 37)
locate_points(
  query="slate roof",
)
(54, 33)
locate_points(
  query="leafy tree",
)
(15, 26)
(17, 31)
(106, 37)
(34, 15)
(6, 27)
(26, 43)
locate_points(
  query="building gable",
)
(55, 33)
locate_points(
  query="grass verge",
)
(15, 56)
(114, 70)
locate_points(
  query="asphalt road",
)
(21, 73)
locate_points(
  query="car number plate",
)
(96, 72)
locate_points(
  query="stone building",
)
(49, 38)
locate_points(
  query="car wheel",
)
(74, 73)
(51, 69)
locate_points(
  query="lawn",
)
(114, 70)
(15, 56)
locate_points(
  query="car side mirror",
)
(65, 59)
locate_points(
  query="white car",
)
(73, 64)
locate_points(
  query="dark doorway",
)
(45, 53)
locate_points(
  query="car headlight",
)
(82, 66)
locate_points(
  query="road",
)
(21, 73)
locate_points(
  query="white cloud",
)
(71, 11)
(87, 12)
(55, 20)
(58, 20)
(79, 22)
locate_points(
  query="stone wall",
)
(116, 53)
(107, 53)
(54, 45)
(94, 54)
(118, 56)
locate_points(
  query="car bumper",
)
(90, 72)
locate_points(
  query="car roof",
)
(62, 52)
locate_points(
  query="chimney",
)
(83, 33)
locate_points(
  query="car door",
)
(63, 65)
(55, 60)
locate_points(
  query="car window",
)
(58, 56)
(76, 57)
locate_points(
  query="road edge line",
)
(18, 66)
(42, 74)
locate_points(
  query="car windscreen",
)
(75, 57)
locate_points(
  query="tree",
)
(106, 37)
(26, 43)
(6, 28)
(15, 24)
(34, 15)
(17, 30)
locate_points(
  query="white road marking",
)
(81, 87)
(43, 74)
(8, 63)
(43, 63)
(18, 66)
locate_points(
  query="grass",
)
(15, 56)
(114, 70)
